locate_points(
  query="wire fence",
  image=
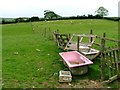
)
(45, 32)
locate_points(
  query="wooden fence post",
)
(78, 40)
(114, 64)
(117, 60)
(109, 63)
(91, 32)
(119, 48)
(103, 58)
(32, 26)
(57, 30)
(41, 31)
(38, 30)
(49, 34)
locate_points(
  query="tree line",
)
(101, 12)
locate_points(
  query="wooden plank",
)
(110, 50)
(110, 79)
(84, 35)
(96, 55)
(108, 39)
(62, 34)
(96, 44)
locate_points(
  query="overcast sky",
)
(29, 8)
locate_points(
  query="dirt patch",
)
(46, 84)
(82, 84)
(88, 84)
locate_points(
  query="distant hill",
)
(7, 19)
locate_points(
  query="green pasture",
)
(83, 26)
(30, 60)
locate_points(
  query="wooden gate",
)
(110, 61)
(61, 39)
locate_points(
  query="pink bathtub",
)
(76, 62)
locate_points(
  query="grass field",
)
(23, 66)
(83, 26)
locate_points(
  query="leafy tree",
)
(98, 16)
(34, 18)
(102, 11)
(90, 15)
(50, 15)
(3, 21)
